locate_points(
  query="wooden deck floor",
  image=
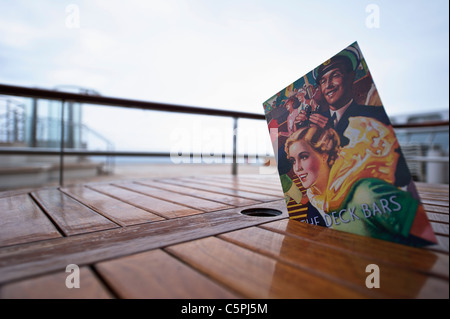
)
(186, 238)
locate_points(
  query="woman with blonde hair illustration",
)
(352, 187)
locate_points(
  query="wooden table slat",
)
(185, 237)
(431, 196)
(418, 259)
(435, 202)
(22, 221)
(154, 205)
(52, 286)
(121, 213)
(71, 216)
(234, 184)
(436, 217)
(254, 275)
(432, 188)
(436, 209)
(40, 257)
(177, 198)
(338, 266)
(440, 228)
(221, 198)
(271, 186)
(224, 190)
(443, 244)
(155, 274)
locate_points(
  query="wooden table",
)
(187, 238)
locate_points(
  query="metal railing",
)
(12, 121)
(426, 149)
(65, 97)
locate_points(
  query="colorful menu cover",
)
(338, 157)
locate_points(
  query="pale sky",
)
(232, 54)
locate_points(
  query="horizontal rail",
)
(423, 125)
(120, 102)
(47, 94)
(157, 106)
(77, 152)
(434, 159)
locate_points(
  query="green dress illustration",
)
(361, 197)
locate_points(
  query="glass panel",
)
(154, 131)
(402, 137)
(442, 139)
(254, 141)
(48, 123)
(13, 121)
(420, 138)
(189, 144)
(186, 138)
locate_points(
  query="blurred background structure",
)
(43, 141)
(224, 56)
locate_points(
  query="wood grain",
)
(436, 209)
(22, 221)
(443, 244)
(71, 216)
(154, 275)
(436, 217)
(440, 228)
(154, 205)
(432, 188)
(434, 202)
(221, 198)
(422, 260)
(121, 213)
(179, 238)
(338, 266)
(254, 275)
(438, 196)
(14, 192)
(260, 183)
(234, 184)
(53, 286)
(228, 191)
(177, 198)
(45, 256)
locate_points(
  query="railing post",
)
(234, 165)
(34, 113)
(61, 149)
(15, 126)
(8, 121)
